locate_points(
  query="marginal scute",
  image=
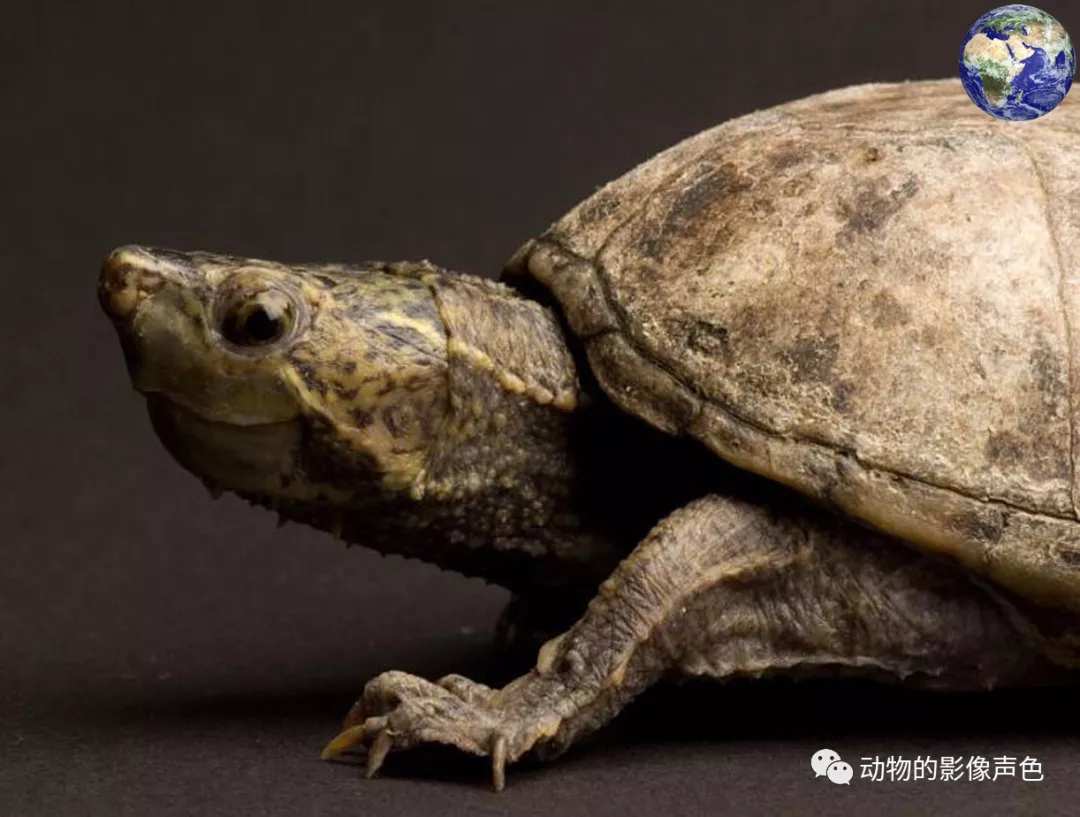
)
(868, 295)
(645, 389)
(587, 309)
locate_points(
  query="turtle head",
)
(286, 383)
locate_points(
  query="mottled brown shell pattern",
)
(870, 295)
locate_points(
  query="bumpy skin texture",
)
(868, 295)
(416, 411)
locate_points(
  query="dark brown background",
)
(160, 653)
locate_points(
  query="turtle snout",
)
(126, 279)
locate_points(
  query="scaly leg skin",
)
(719, 588)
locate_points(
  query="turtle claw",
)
(398, 711)
(377, 753)
(356, 715)
(346, 739)
(498, 763)
(354, 733)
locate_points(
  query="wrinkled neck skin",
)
(504, 490)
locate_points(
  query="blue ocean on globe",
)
(1017, 63)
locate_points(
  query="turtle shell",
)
(871, 295)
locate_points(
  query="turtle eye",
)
(257, 319)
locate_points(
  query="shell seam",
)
(1064, 305)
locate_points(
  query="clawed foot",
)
(398, 710)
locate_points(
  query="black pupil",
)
(255, 324)
(260, 326)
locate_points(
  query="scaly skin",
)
(379, 417)
(443, 417)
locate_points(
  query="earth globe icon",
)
(1017, 63)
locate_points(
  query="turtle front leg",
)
(583, 677)
(719, 588)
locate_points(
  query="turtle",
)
(794, 397)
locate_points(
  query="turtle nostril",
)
(123, 282)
